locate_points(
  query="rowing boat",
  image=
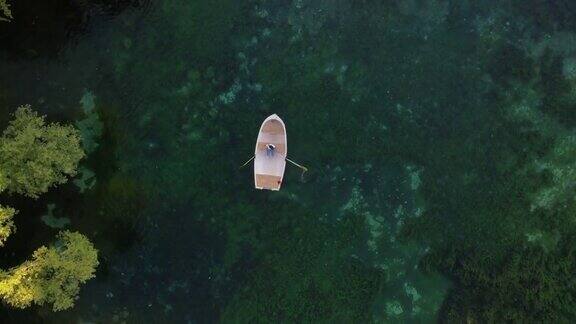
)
(270, 154)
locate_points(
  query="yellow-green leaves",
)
(3, 181)
(5, 13)
(54, 274)
(6, 223)
(35, 156)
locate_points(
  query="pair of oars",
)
(303, 168)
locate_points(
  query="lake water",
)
(439, 138)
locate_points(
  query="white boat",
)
(270, 154)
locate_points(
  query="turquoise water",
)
(439, 137)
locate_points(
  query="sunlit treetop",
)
(54, 274)
(35, 156)
(5, 13)
(6, 223)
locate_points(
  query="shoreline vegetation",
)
(34, 157)
(5, 10)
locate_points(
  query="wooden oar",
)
(304, 169)
(243, 165)
(298, 165)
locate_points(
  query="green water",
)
(439, 137)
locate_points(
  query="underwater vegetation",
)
(530, 284)
(440, 137)
(290, 283)
(33, 158)
(121, 201)
(509, 249)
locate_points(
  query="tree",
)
(35, 156)
(53, 275)
(6, 223)
(5, 11)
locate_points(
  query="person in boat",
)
(270, 150)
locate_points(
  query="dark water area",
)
(439, 137)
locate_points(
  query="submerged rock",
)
(90, 127)
(88, 102)
(52, 221)
(87, 179)
(394, 309)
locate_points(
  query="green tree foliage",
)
(36, 156)
(6, 14)
(53, 275)
(33, 157)
(6, 223)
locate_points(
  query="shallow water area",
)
(438, 137)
